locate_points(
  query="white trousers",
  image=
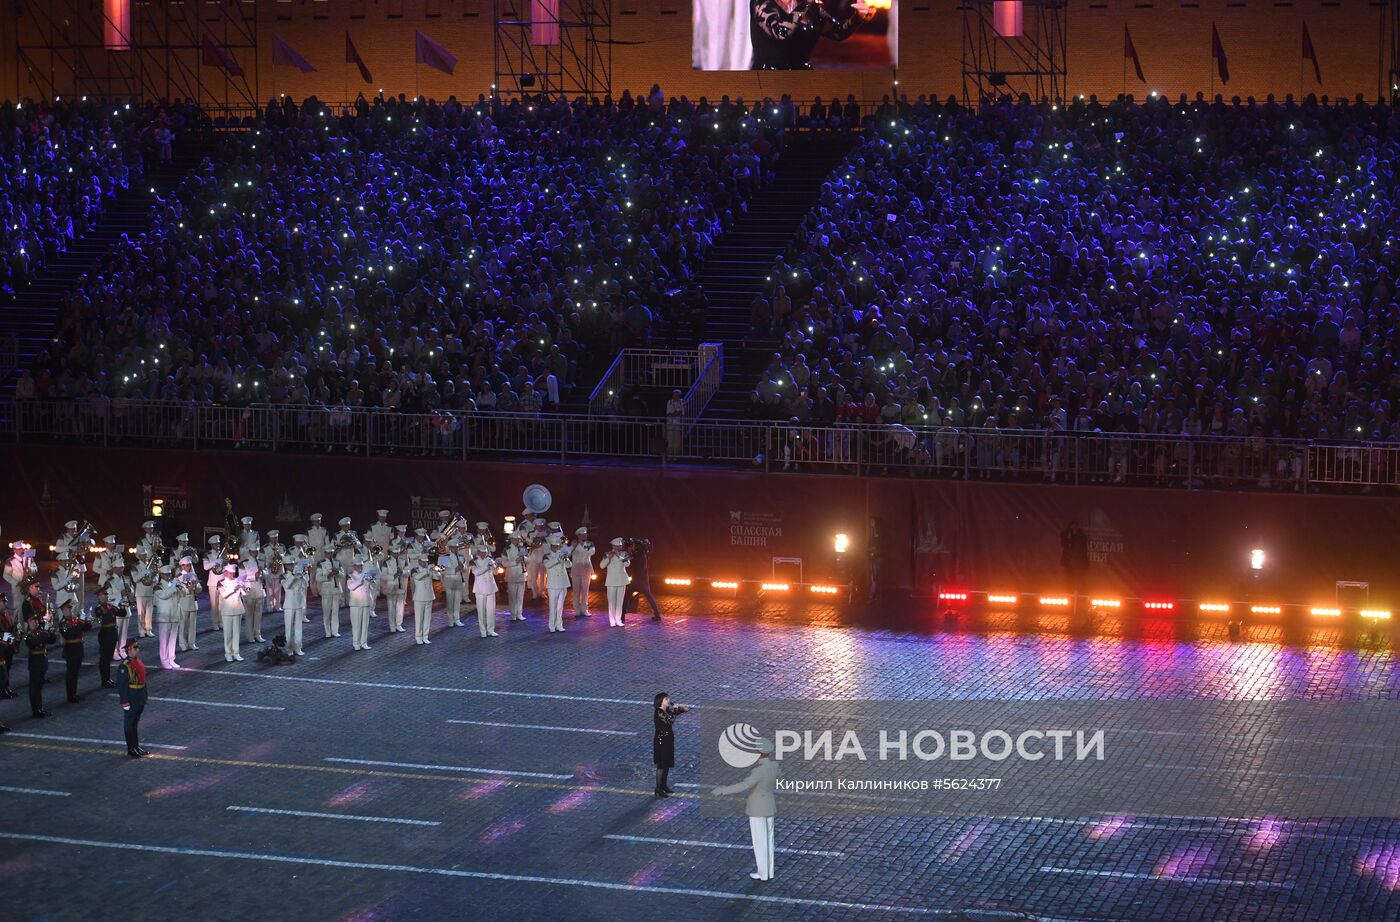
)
(359, 626)
(486, 613)
(231, 632)
(274, 596)
(581, 595)
(556, 609)
(167, 643)
(454, 606)
(291, 628)
(145, 607)
(761, 831)
(515, 595)
(214, 606)
(122, 624)
(254, 608)
(189, 629)
(330, 609)
(393, 605)
(422, 619)
(616, 596)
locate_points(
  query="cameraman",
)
(784, 32)
(640, 587)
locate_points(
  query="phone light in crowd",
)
(952, 596)
(677, 581)
(1266, 609)
(1214, 606)
(1159, 605)
(842, 543)
(1256, 559)
(1001, 598)
(775, 587)
(1375, 614)
(1054, 601)
(1106, 603)
(825, 590)
(1324, 612)
(723, 584)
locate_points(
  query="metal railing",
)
(707, 382)
(663, 368)
(1202, 462)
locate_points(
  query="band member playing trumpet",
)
(454, 582)
(614, 564)
(107, 615)
(328, 579)
(119, 596)
(295, 583)
(214, 562)
(169, 618)
(187, 580)
(361, 586)
(381, 532)
(515, 555)
(582, 572)
(37, 640)
(72, 629)
(253, 598)
(143, 577)
(19, 566)
(393, 579)
(556, 574)
(484, 588)
(423, 595)
(231, 590)
(68, 580)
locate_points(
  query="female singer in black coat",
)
(663, 742)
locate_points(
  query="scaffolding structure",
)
(1390, 44)
(61, 51)
(1033, 63)
(579, 63)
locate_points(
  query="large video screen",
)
(794, 34)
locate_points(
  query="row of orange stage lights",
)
(774, 587)
(958, 598)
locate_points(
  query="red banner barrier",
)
(718, 524)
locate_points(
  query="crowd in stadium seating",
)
(1171, 267)
(63, 162)
(411, 256)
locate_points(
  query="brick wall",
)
(1262, 38)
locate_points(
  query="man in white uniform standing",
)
(484, 588)
(761, 784)
(381, 532)
(361, 587)
(214, 570)
(614, 565)
(188, 581)
(423, 594)
(295, 581)
(144, 576)
(230, 589)
(582, 572)
(169, 618)
(328, 577)
(254, 597)
(556, 576)
(271, 551)
(515, 576)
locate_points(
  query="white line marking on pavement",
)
(431, 688)
(1133, 875)
(221, 704)
(483, 875)
(455, 768)
(335, 816)
(4, 787)
(1236, 770)
(487, 723)
(742, 848)
(86, 739)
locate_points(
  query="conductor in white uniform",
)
(761, 784)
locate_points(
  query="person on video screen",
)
(784, 32)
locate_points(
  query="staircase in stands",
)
(739, 263)
(31, 314)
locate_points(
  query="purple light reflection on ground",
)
(669, 811)
(1266, 835)
(964, 842)
(1382, 863)
(353, 794)
(1109, 828)
(481, 789)
(202, 783)
(570, 800)
(259, 751)
(648, 874)
(499, 832)
(1187, 862)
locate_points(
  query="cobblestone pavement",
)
(511, 776)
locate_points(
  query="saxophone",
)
(275, 566)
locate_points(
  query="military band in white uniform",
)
(247, 575)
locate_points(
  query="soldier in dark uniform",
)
(133, 695)
(34, 604)
(663, 743)
(640, 587)
(107, 615)
(9, 627)
(72, 629)
(37, 643)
